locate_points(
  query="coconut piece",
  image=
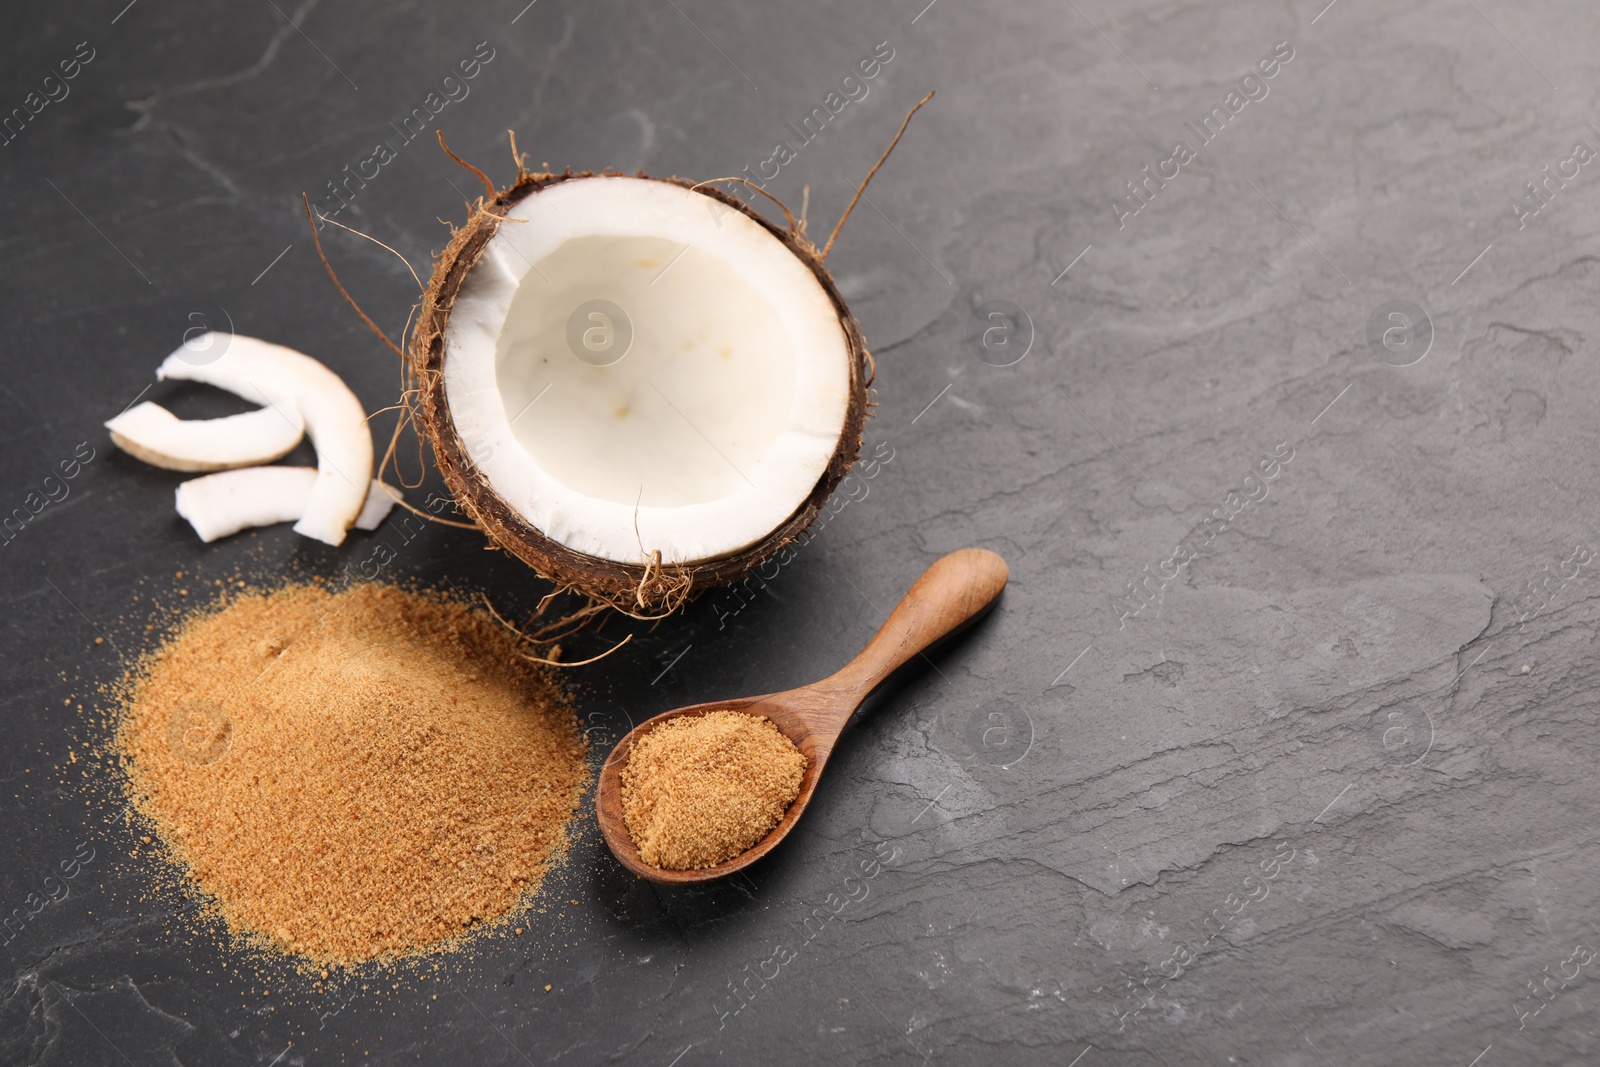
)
(152, 433)
(641, 388)
(222, 504)
(334, 420)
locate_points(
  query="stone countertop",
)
(1236, 327)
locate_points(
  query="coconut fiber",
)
(352, 775)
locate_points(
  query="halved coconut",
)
(639, 387)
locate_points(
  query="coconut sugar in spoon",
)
(951, 595)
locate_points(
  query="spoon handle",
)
(952, 593)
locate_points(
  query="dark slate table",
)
(1276, 392)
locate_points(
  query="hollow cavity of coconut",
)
(640, 388)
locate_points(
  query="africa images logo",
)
(199, 732)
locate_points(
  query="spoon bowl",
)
(951, 595)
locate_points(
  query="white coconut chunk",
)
(222, 504)
(334, 419)
(152, 433)
(381, 499)
(692, 412)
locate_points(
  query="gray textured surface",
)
(1355, 733)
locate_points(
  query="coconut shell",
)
(650, 590)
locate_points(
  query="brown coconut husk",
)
(644, 590)
(652, 589)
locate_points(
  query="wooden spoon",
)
(951, 595)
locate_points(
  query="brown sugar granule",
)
(352, 775)
(700, 789)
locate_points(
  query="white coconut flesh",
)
(150, 432)
(269, 374)
(219, 505)
(698, 435)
